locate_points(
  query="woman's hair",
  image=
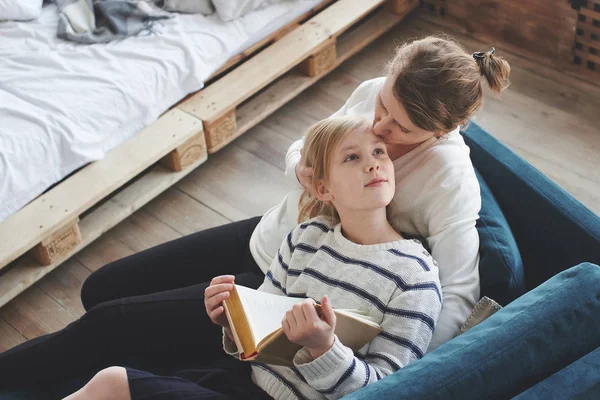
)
(438, 82)
(320, 142)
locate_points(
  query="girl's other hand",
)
(303, 326)
(214, 295)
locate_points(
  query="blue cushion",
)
(501, 270)
(527, 341)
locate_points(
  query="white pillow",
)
(232, 9)
(20, 10)
(189, 6)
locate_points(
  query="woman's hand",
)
(304, 175)
(303, 326)
(213, 299)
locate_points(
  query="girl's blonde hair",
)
(438, 82)
(320, 142)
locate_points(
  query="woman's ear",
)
(322, 192)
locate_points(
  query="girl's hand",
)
(303, 326)
(304, 175)
(213, 299)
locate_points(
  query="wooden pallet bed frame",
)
(250, 87)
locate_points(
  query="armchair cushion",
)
(501, 272)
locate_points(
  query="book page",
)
(264, 310)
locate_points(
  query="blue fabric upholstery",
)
(527, 341)
(580, 380)
(501, 271)
(552, 229)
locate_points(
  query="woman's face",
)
(361, 174)
(391, 121)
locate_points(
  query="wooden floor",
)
(550, 120)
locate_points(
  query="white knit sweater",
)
(437, 197)
(396, 283)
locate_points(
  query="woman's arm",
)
(407, 325)
(450, 206)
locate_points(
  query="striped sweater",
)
(397, 283)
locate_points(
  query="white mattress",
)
(63, 105)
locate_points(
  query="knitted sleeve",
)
(408, 324)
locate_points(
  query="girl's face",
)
(391, 121)
(361, 174)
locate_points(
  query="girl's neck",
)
(368, 227)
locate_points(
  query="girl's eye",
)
(379, 152)
(351, 157)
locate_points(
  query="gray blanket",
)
(100, 21)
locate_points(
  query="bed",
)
(51, 88)
(113, 125)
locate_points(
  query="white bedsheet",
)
(63, 105)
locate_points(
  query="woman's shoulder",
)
(449, 150)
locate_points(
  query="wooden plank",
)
(288, 87)
(64, 286)
(36, 314)
(26, 271)
(231, 90)
(9, 336)
(371, 29)
(278, 34)
(183, 213)
(66, 201)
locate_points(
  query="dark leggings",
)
(148, 306)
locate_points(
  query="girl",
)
(347, 254)
(432, 86)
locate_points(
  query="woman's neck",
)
(368, 227)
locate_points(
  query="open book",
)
(255, 320)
